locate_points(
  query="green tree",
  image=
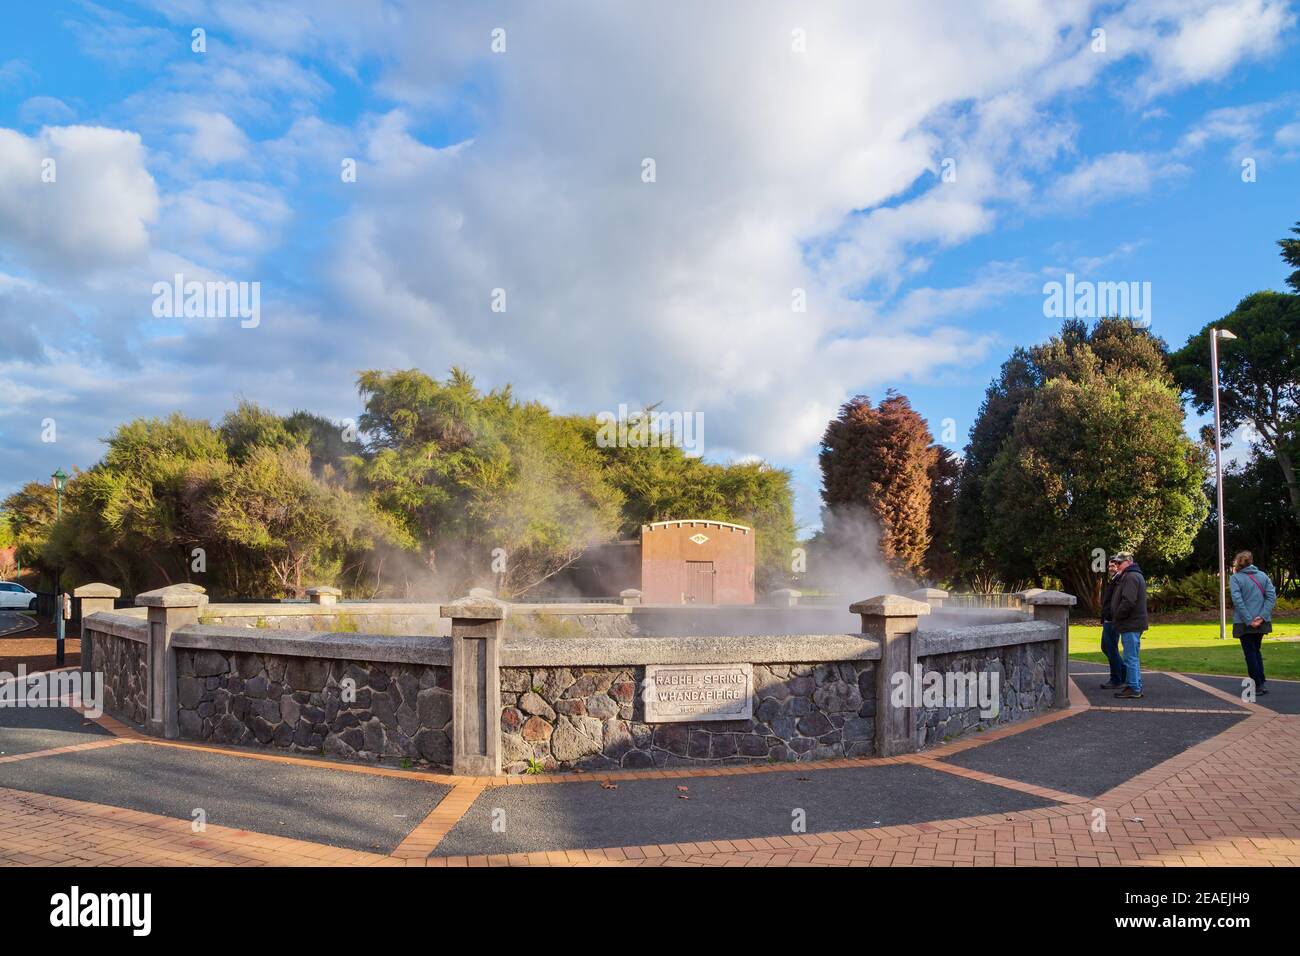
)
(29, 514)
(1291, 256)
(136, 516)
(489, 487)
(159, 508)
(1097, 461)
(1110, 347)
(1017, 380)
(945, 476)
(1259, 520)
(1259, 375)
(295, 526)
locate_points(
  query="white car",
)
(16, 597)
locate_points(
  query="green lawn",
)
(1196, 648)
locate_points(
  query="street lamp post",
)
(60, 479)
(1215, 335)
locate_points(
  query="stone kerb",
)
(93, 598)
(476, 684)
(892, 620)
(168, 609)
(1053, 607)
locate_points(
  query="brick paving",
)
(1233, 799)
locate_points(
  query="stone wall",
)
(592, 718)
(296, 703)
(1026, 686)
(125, 666)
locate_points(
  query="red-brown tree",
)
(880, 457)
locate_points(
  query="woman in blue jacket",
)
(1253, 598)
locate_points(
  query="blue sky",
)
(793, 148)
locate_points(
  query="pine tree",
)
(880, 458)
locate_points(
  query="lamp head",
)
(60, 479)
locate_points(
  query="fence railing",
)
(994, 600)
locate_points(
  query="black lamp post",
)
(60, 479)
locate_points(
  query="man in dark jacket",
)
(1110, 636)
(1128, 612)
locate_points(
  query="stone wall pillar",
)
(931, 596)
(324, 595)
(1054, 608)
(891, 619)
(93, 597)
(784, 597)
(168, 608)
(1022, 597)
(476, 625)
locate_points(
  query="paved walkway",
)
(11, 622)
(1206, 780)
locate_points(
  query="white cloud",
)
(776, 170)
(1204, 40)
(96, 212)
(213, 138)
(1288, 136)
(1114, 175)
(45, 110)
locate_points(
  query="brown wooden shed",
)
(697, 562)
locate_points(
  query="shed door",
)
(699, 582)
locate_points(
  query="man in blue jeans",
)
(1110, 636)
(1128, 610)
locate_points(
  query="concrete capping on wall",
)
(93, 597)
(383, 648)
(983, 636)
(400, 609)
(324, 594)
(128, 623)
(317, 610)
(786, 649)
(584, 609)
(784, 597)
(931, 596)
(174, 595)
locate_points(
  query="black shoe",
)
(1112, 684)
(1261, 690)
(1128, 693)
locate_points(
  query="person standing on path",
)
(1253, 600)
(1128, 604)
(1110, 636)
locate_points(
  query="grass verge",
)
(1195, 648)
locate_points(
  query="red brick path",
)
(1232, 800)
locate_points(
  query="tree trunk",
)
(1288, 472)
(1086, 586)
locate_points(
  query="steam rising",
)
(845, 558)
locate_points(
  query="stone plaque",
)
(675, 693)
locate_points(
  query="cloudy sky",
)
(916, 171)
